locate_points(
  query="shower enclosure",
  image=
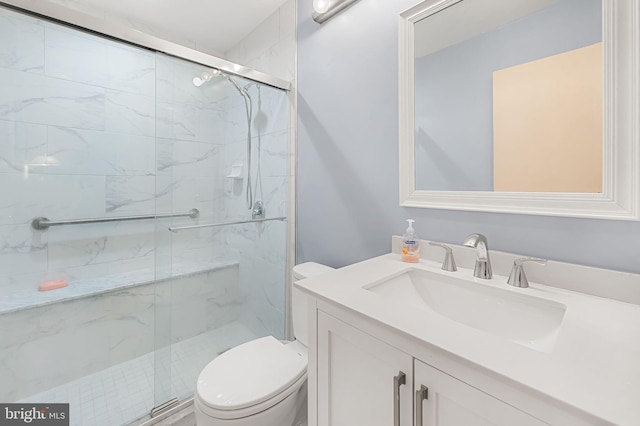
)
(127, 182)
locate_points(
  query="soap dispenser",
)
(410, 244)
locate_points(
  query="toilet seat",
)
(251, 378)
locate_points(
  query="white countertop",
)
(594, 365)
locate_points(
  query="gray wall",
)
(454, 145)
(348, 159)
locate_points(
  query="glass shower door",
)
(77, 142)
(220, 277)
(91, 128)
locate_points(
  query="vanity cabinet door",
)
(451, 402)
(356, 378)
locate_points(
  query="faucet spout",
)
(482, 268)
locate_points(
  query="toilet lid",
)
(250, 374)
(310, 269)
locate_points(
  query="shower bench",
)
(50, 338)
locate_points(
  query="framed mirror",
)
(525, 106)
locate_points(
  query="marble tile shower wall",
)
(77, 139)
(83, 336)
(271, 48)
(260, 249)
(92, 128)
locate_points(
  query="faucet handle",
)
(521, 260)
(517, 278)
(449, 264)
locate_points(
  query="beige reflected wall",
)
(547, 120)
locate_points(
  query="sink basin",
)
(524, 319)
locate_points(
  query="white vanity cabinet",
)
(489, 353)
(357, 375)
(360, 380)
(451, 402)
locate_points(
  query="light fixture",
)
(321, 6)
(325, 9)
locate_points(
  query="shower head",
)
(206, 76)
(210, 74)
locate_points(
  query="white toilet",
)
(262, 382)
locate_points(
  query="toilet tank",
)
(299, 300)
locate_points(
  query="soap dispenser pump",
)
(410, 244)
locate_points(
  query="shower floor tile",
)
(125, 392)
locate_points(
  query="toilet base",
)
(291, 411)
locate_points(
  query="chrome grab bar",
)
(42, 223)
(213, 225)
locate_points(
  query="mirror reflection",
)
(508, 97)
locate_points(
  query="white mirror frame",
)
(621, 129)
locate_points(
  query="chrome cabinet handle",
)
(421, 395)
(398, 381)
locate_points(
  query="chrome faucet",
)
(258, 210)
(483, 263)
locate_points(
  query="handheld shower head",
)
(235, 84)
(244, 92)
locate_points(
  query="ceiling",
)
(213, 25)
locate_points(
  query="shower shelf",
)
(31, 298)
(236, 171)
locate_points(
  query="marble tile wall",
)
(77, 140)
(91, 128)
(50, 345)
(261, 248)
(271, 48)
(221, 127)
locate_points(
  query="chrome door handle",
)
(398, 381)
(421, 395)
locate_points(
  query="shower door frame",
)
(62, 15)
